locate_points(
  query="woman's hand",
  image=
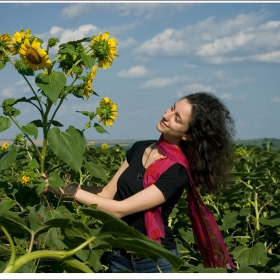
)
(48, 188)
(67, 191)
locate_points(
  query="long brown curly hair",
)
(209, 147)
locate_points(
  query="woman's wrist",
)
(71, 189)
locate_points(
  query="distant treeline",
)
(273, 143)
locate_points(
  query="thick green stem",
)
(257, 216)
(57, 255)
(31, 242)
(11, 262)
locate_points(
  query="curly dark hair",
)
(209, 147)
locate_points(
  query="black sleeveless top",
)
(171, 183)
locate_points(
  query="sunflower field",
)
(43, 232)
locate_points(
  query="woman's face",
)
(175, 121)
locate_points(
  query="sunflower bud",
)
(52, 42)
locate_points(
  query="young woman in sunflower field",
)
(194, 149)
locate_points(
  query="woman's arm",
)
(144, 200)
(110, 189)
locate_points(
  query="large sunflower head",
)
(18, 40)
(104, 49)
(107, 111)
(4, 44)
(34, 57)
(88, 86)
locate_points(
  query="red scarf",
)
(207, 235)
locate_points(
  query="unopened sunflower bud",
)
(53, 41)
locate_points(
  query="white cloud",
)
(164, 82)
(196, 87)
(143, 10)
(165, 43)
(65, 35)
(8, 92)
(276, 99)
(133, 72)
(127, 43)
(228, 95)
(76, 10)
(189, 65)
(246, 37)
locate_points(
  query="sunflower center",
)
(101, 49)
(33, 56)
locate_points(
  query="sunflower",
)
(107, 111)
(25, 179)
(4, 44)
(4, 147)
(18, 39)
(91, 76)
(104, 146)
(34, 57)
(104, 49)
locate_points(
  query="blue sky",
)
(167, 50)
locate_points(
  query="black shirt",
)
(171, 183)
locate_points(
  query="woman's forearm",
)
(107, 205)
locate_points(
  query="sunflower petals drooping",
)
(107, 111)
(91, 76)
(18, 40)
(104, 49)
(4, 44)
(34, 57)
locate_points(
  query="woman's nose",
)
(167, 114)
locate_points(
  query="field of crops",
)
(43, 233)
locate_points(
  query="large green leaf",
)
(229, 221)
(5, 123)
(250, 256)
(30, 129)
(52, 85)
(88, 60)
(275, 222)
(117, 233)
(4, 250)
(6, 204)
(13, 223)
(69, 145)
(8, 158)
(96, 170)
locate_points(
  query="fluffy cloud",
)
(164, 82)
(143, 10)
(133, 72)
(243, 38)
(276, 99)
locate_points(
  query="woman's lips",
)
(163, 123)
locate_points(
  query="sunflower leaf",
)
(52, 85)
(7, 158)
(100, 128)
(5, 123)
(88, 60)
(69, 145)
(30, 129)
(2, 65)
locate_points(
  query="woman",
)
(154, 175)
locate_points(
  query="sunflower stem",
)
(41, 108)
(16, 123)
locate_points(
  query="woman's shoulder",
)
(142, 143)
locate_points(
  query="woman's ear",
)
(185, 138)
